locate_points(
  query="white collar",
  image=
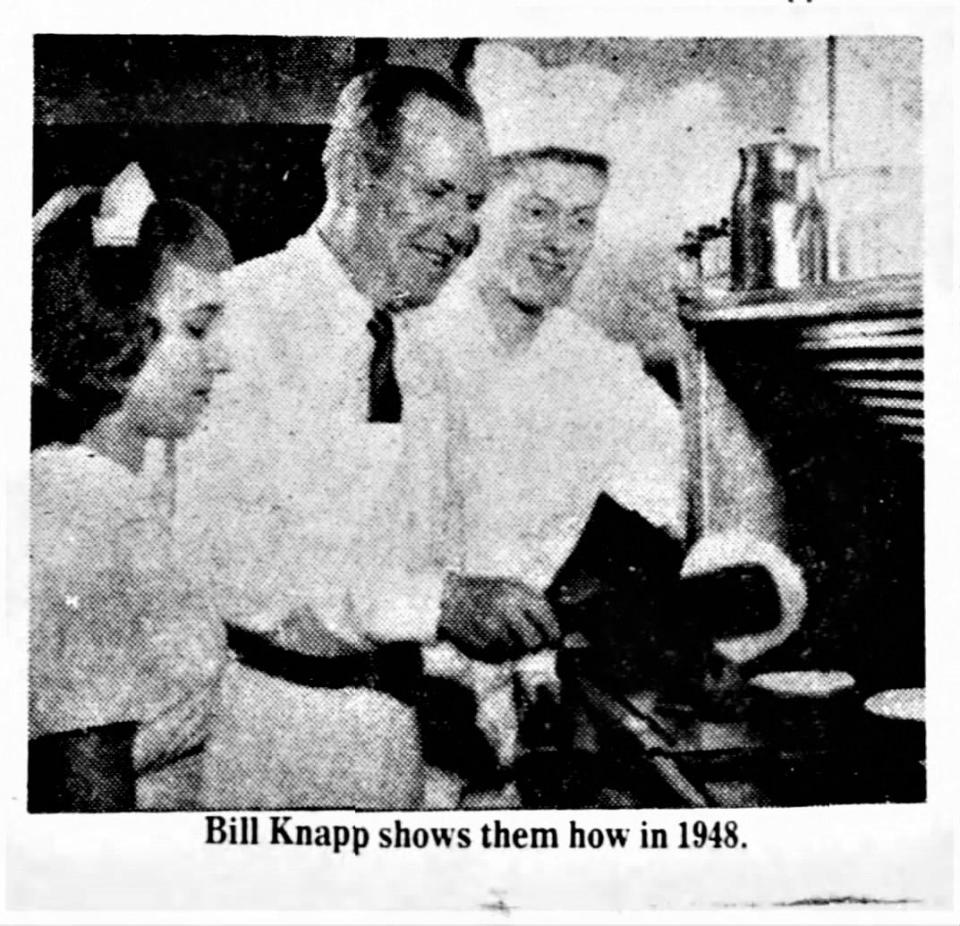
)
(556, 327)
(312, 247)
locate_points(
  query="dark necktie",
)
(385, 403)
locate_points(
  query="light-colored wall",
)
(690, 105)
(675, 145)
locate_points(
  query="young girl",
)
(123, 656)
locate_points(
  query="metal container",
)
(779, 225)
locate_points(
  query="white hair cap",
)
(527, 107)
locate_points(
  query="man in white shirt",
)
(545, 413)
(281, 500)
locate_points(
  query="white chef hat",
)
(527, 107)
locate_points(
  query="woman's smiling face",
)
(170, 392)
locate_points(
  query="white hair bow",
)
(123, 205)
(528, 107)
(56, 205)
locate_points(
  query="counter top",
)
(749, 758)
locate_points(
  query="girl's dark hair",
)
(91, 328)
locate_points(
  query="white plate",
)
(807, 684)
(898, 703)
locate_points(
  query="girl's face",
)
(168, 395)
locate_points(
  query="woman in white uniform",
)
(123, 655)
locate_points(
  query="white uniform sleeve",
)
(738, 547)
(400, 606)
(647, 472)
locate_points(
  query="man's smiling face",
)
(546, 225)
(418, 220)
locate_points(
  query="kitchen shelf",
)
(893, 298)
(804, 423)
(863, 337)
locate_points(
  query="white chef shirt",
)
(535, 435)
(530, 439)
(281, 495)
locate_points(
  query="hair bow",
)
(56, 205)
(123, 205)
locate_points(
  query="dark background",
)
(263, 184)
(853, 495)
(235, 124)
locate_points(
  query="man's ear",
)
(353, 177)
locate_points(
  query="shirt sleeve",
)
(647, 471)
(81, 634)
(114, 634)
(400, 605)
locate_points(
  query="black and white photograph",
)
(431, 431)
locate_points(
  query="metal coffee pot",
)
(779, 225)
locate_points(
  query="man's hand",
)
(495, 619)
